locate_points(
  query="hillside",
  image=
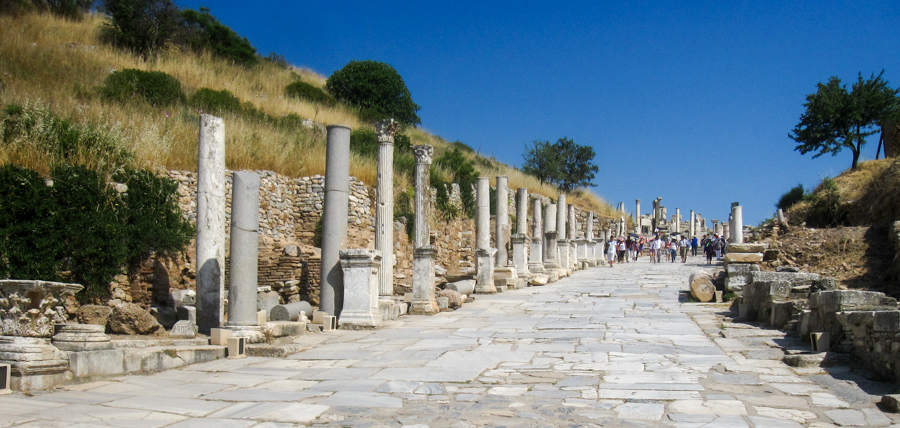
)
(53, 67)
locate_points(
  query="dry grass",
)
(59, 64)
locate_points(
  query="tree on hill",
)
(565, 164)
(374, 85)
(143, 27)
(836, 118)
(202, 31)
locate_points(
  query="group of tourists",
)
(629, 249)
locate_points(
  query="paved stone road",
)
(605, 347)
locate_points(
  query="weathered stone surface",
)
(539, 279)
(746, 248)
(93, 314)
(452, 297)
(466, 286)
(891, 402)
(743, 257)
(129, 318)
(31, 308)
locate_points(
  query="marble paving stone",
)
(214, 423)
(362, 399)
(177, 405)
(642, 411)
(272, 412)
(801, 416)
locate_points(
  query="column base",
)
(424, 307)
(484, 272)
(253, 333)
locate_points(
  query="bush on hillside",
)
(374, 85)
(825, 206)
(791, 197)
(35, 131)
(155, 87)
(215, 102)
(202, 31)
(464, 174)
(365, 142)
(28, 247)
(305, 91)
(277, 60)
(143, 27)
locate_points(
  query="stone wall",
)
(876, 340)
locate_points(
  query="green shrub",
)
(34, 128)
(370, 115)
(278, 61)
(825, 206)
(154, 87)
(29, 247)
(93, 236)
(202, 31)
(215, 102)
(307, 92)
(464, 174)
(365, 142)
(152, 218)
(791, 197)
(446, 210)
(374, 85)
(143, 27)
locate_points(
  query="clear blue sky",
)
(689, 101)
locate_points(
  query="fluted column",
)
(210, 223)
(384, 206)
(423, 302)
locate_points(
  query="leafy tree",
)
(143, 27)
(564, 163)
(791, 197)
(202, 31)
(374, 85)
(29, 244)
(836, 118)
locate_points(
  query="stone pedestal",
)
(242, 280)
(582, 250)
(562, 246)
(551, 266)
(536, 253)
(334, 218)
(81, 337)
(211, 223)
(592, 252)
(360, 271)
(505, 277)
(520, 244)
(423, 301)
(34, 363)
(484, 272)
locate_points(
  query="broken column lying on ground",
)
(244, 257)
(737, 223)
(384, 207)
(536, 255)
(551, 263)
(334, 218)
(561, 241)
(484, 263)
(423, 300)
(520, 240)
(210, 223)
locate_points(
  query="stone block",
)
(390, 310)
(285, 328)
(184, 329)
(93, 314)
(741, 268)
(5, 387)
(165, 316)
(719, 296)
(318, 317)
(795, 278)
(261, 318)
(219, 336)
(539, 279)
(187, 313)
(85, 365)
(466, 286)
(744, 258)
(887, 321)
(236, 347)
(266, 301)
(182, 297)
(850, 300)
(443, 302)
(746, 248)
(780, 314)
(129, 318)
(820, 341)
(329, 323)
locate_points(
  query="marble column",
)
(737, 222)
(484, 264)
(551, 261)
(678, 220)
(244, 256)
(210, 223)
(571, 233)
(423, 302)
(637, 216)
(502, 222)
(536, 253)
(334, 218)
(561, 237)
(384, 206)
(692, 226)
(726, 231)
(520, 240)
(360, 276)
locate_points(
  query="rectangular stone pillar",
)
(693, 227)
(520, 240)
(384, 206)
(737, 222)
(637, 216)
(244, 256)
(360, 279)
(502, 222)
(210, 223)
(484, 264)
(536, 255)
(334, 218)
(423, 302)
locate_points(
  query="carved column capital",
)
(386, 129)
(424, 153)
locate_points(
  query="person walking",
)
(659, 248)
(683, 246)
(611, 249)
(673, 250)
(710, 250)
(718, 246)
(694, 246)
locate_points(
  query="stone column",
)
(360, 277)
(726, 231)
(334, 218)
(423, 302)
(551, 263)
(210, 223)
(637, 216)
(502, 223)
(484, 265)
(678, 220)
(573, 227)
(561, 237)
(520, 240)
(536, 255)
(384, 206)
(589, 235)
(244, 255)
(692, 226)
(716, 227)
(737, 221)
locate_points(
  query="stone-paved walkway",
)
(605, 347)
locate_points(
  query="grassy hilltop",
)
(53, 67)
